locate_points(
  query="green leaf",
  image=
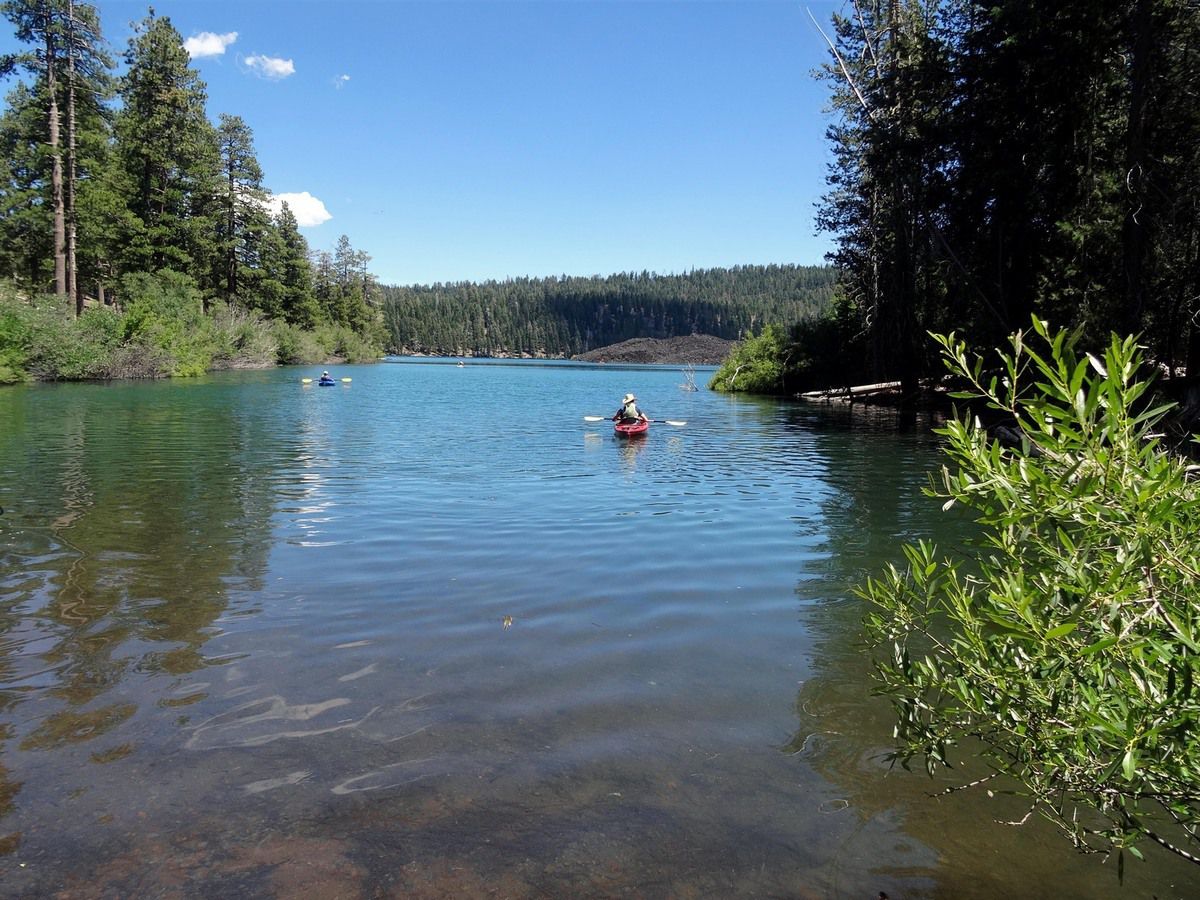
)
(1129, 764)
(1061, 630)
(1102, 644)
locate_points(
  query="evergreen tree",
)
(889, 80)
(998, 160)
(242, 219)
(39, 22)
(26, 220)
(353, 293)
(286, 264)
(168, 159)
(71, 67)
(324, 285)
(88, 84)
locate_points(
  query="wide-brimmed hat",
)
(628, 398)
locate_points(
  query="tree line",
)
(996, 161)
(565, 315)
(106, 177)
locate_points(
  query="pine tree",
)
(168, 159)
(995, 161)
(71, 67)
(26, 220)
(889, 83)
(88, 84)
(242, 218)
(286, 264)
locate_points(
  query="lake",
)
(428, 633)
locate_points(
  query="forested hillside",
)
(562, 316)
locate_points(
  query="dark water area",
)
(429, 634)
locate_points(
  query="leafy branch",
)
(1067, 644)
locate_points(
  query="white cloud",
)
(340, 81)
(307, 209)
(271, 67)
(206, 43)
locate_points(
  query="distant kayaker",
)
(629, 411)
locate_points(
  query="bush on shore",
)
(1062, 645)
(325, 342)
(162, 330)
(755, 366)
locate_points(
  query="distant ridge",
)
(693, 349)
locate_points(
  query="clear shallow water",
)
(253, 643)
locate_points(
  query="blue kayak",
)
(326, 382)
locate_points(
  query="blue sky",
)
(466, 141)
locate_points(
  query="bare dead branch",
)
(841, 64)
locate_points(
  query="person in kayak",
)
(325, 378)
(629, 411)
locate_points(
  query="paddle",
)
(675, 422)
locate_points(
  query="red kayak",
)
(631, 428)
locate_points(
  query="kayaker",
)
(629, 411)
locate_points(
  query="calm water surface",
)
(429, 634)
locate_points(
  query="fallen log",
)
(858, 390)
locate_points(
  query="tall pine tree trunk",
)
(73, 286)
(231, 285)
(56, 175)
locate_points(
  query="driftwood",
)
(862, 390)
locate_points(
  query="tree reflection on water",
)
(119, 559)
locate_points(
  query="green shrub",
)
(325, 343)
(242, 339)
(755, 366)
(164, 313)
(78, 348)
(1065, 648)
(354, 347)
(163, 331)
(137, 361)
(43, 339)
(295, 346)
(15, 337)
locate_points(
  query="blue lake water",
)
(428, 633)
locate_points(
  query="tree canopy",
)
(998, 160)
(104, 179)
